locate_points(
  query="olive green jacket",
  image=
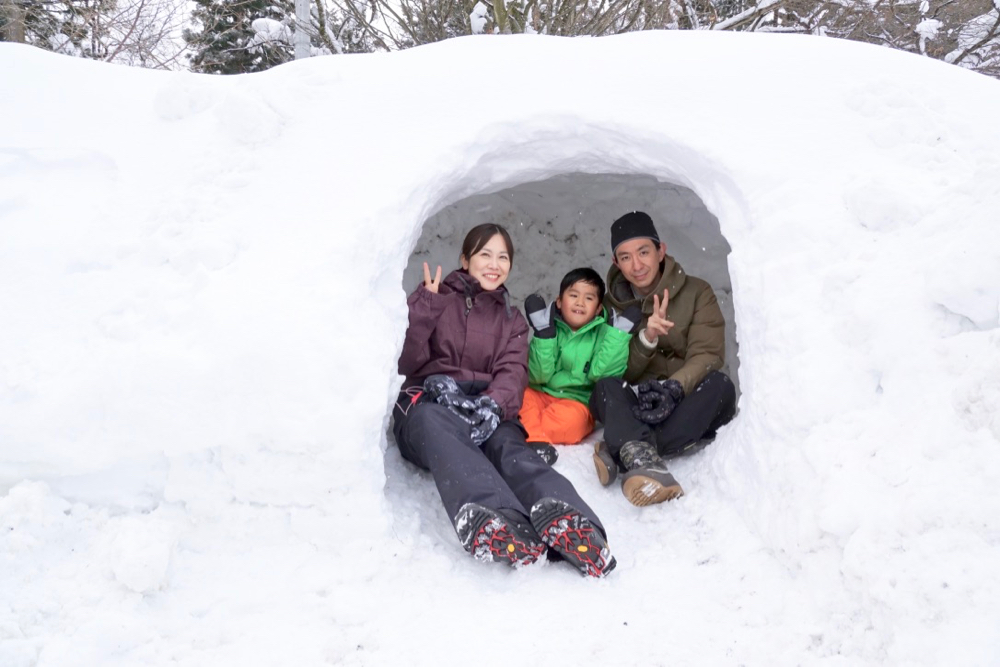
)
(694, 346)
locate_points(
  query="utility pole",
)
(13, 30)
(301, 23)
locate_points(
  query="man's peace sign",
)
(658, 325)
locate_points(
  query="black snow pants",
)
(501, 474)
(711, 405)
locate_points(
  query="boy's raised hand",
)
(432, 285)
(540, 316)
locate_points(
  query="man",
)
(673, 394)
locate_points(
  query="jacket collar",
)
(600, 318)
(620, 293)
(460, 282)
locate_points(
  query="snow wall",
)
(201, 286)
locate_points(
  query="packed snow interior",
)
(203, 305)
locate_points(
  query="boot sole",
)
(642, 490)
(571, 534)
(607, 469)
(488, 536)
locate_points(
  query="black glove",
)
(436, 385)
(484, 401)
(487, 423)
(489, 414)
(657, 400)
(481, 413)
(458, 403)
(540, 316)
(628, 320)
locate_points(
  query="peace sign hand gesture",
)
(432, 285)
(658, 325)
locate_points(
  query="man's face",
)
(639, 261)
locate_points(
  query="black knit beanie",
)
(634, 225)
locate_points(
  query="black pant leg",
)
(611, 403)
(711, 405)
(527, 475)
(432, 437)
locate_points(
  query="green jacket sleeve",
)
(542, 356)
(610, 354)
(706, 346)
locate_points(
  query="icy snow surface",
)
(201, 289)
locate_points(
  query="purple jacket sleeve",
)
(510, 372)
(425, 308)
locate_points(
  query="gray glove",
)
(657, 400)
(540, 316)
(628, 320)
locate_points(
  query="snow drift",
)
(200, 281)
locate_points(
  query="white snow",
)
(269, 30)
(201, 288)
(478, 17)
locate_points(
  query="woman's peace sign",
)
(432, 285)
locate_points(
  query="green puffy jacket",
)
(693, 347)
(569, 365)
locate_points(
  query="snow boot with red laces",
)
(492, 536)
(573, 537)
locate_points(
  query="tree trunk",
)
(13, 29)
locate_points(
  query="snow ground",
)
(200, 281)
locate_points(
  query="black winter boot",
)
(647, 480)
(544, 450)
(573, 537)
(493, 537)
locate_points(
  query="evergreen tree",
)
(229, 42)
(72, 27)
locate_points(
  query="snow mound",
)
(201, 286)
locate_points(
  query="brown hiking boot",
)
(607, 469)
(647, 480)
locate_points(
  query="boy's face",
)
(578, 304)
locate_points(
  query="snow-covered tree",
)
(241, 36)
(965, 33)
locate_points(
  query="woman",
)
(465, 359)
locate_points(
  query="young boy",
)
(574, 346)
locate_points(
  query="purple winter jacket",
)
(470, 335)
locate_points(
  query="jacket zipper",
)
(468, 305)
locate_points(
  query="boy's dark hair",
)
(587, 275)
(480, 235)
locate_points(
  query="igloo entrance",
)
(563, 222)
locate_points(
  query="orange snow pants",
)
(549, 419)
